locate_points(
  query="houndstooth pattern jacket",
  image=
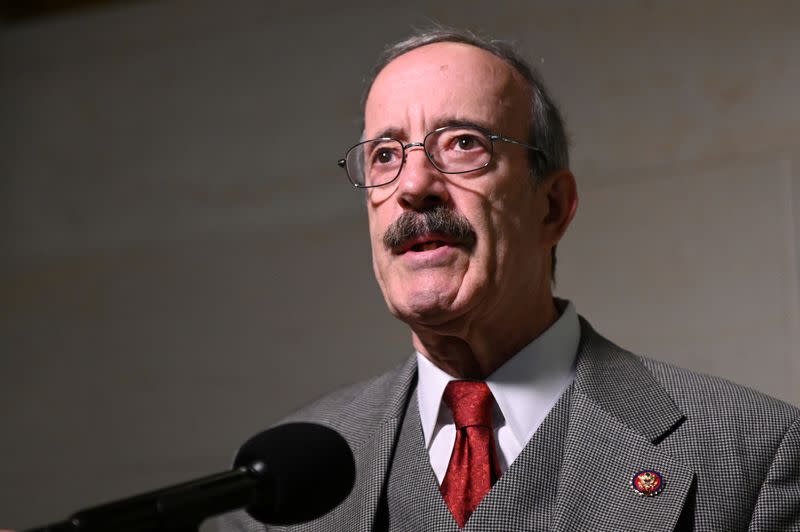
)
(729, 456)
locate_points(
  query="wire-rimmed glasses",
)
(450, 149)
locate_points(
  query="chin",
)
(426, 298)
(425, 309)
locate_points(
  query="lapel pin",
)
(647, 483)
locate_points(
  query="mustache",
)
(438, 220)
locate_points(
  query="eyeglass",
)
(450, 149)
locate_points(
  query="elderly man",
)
(514, 414)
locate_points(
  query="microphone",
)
(288, 474)
(315, 472)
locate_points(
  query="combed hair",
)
(546, 130)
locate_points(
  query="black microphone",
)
(288, 474)
(315, 472)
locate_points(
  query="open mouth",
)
(428, 246)
(424, 243)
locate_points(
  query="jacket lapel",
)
(373, 456)
(618, 414)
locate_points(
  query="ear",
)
(562, 202)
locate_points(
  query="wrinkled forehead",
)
(444, 83)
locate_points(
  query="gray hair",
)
(546, 130)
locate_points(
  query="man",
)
(514, 414)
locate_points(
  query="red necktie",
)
(473, 467)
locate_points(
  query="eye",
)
(383, 153)
(466, 142)
(463, 139)
(384, 156)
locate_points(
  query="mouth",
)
(427, 246)
(422, 244)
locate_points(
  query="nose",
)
(421, 186)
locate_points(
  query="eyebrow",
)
(400, 134)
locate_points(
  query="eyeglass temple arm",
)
(512, 141)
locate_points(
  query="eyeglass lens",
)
(450, 149)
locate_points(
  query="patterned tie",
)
(473, 466)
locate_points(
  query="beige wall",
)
(183, 263)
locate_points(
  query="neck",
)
(476, 350)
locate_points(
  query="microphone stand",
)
(179, 508)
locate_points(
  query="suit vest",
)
(522, 499)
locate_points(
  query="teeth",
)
(424, 246)
(427, 246)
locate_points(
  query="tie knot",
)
(470, 402)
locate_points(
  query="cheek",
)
(377, 228)
(374, 226)
(511, 228)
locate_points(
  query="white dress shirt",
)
(525, 389)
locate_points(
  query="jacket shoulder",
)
(735, 438)
(356, 411)
(701, 398)
(705, 396)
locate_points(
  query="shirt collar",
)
(525, 388)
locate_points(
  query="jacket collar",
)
(373, 450)
(622, 386)
(619, 413)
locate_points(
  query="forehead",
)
(442, 83)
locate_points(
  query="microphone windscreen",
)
(309, 470)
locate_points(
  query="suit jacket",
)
(729, 456)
